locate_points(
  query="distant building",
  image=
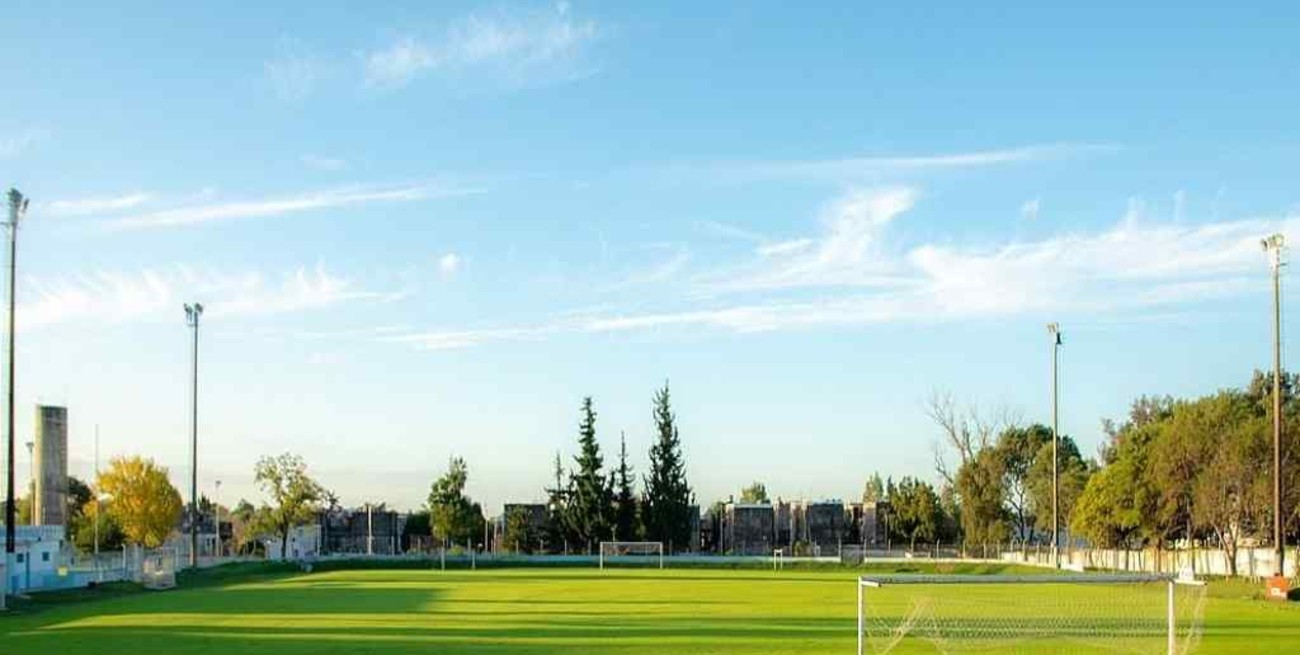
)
(304, 542)
(367, 530)
(37, 556)
(51, 455)
(747, 529)
(873, 527)
(824, 526)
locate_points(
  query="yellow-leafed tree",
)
(141, 500)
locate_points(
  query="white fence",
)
(1251, 562)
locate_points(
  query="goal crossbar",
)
(1170, 581)
(1108, 578)
(614, 549)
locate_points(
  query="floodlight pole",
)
(192, 315)
(1054, 330)
(17, 208)
(1274, 245)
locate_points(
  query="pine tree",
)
(667, 493)
(591, 503)
(557, 524)
(625, 505)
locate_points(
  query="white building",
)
(37, 557)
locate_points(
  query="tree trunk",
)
(284, 542)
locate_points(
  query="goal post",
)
(644, 553)
(1155, 614)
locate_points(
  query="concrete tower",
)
(51, 466)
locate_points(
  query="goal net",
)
(158, 569)
(1142, 614)
(632, 553)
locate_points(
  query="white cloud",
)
(150, 294)
(98, 205)
(848, 253)
(450, 264)
(538, 46)
(857, 169)
(1029, 210)
(328, 199)
(16, 143)
(294, 72)
(1132, 268)
(320, 163)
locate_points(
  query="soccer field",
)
(520, 611)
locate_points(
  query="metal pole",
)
(17, 207)
(1054, 329)
(1274, 245)
(192, 315)
(98, 511)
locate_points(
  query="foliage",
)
(418, 526)
(874, 490)
(519, 535)
(914, 511)
(1018, 451)
(295, 496)
(591, 500)
(627, 525)
(557, 527)
(1073, 474)
(754, 493)
(979, 484)
(667, 493)
(111, 536)
(143, 501)
(453, 517)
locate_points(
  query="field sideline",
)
(516, 611)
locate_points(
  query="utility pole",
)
(17, 208)
(1054, 331)
(216, 511)
(1274, 245)
(192, 314)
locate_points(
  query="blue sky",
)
(430, 231)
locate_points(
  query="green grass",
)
(271, 610)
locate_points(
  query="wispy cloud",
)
(857, 169)
(1029, 210)
(317, 162)
(18, 142)
(1133, 268)
(149, 294)
(526, 47)
(98, 205)
(276, 206)
(849, 252)
(294, 72)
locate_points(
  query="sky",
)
(422, 231)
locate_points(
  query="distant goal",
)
(1142, 614)
(632, 553)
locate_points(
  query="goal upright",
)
(645, 553)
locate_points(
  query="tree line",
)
(589, 503)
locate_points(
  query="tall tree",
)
(557, 516)
(1072, 473)
(979, 485)
(295, 496)
(591, 503)
(667, 493)
(144, 502)
(519, 535)
(754, 493)
(625, 502)
(1018, 449)
(454, 517)
(874, 490)
(915, 511)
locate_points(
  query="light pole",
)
(1273, 245)
(17, 208)
(1054, 331)
(192, 314)
(216, 511)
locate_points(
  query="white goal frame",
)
(657, 546)
(778, 559)
(1172, 581)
